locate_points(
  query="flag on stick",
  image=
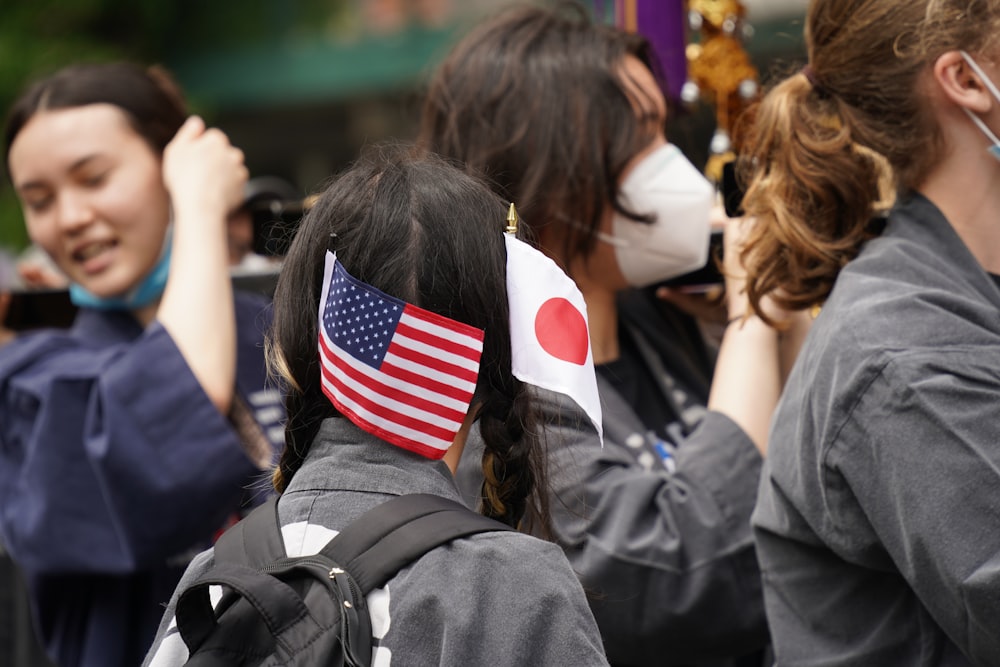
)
(397, 371)
(550, 340)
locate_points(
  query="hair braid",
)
(513, 461)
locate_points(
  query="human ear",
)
(960, 83)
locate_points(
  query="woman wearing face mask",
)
(877, 519)
(566, 119)
(127, 440)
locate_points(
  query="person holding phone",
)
(567, 120)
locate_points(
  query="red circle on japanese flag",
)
(562, 331)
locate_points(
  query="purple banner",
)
(662, 22)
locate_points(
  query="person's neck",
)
(454, 453)
(966, 188)
(146, 314)
(602, 320)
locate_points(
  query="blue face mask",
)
(146, 292)
(995, 148)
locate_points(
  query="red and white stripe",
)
(419, 397)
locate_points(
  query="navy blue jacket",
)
(115, 468)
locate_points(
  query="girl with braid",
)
(415, 232)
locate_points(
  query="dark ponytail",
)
(513, 459)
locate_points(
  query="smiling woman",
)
(93, 196)
(130, 438)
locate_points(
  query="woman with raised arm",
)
(567, 119)
(129, 439)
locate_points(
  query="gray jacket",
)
(666, 556)
(878, 522)
(491, 599)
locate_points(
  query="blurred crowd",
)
(789, 458)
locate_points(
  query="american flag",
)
(399, 372)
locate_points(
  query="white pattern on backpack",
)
(305, 539)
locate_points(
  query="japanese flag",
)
(550, 341)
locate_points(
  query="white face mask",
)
(995, 148)
(668, 187)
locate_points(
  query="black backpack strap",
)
(256, 540)
(275, 601)
(392, 535)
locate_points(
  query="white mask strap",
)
(613, 240)
(610, 239)
(993, 90)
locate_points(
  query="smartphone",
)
(732, 190)
(39, 309)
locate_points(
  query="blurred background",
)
(301, 85)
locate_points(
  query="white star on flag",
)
(400, 372)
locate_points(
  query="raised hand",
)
(203, 172)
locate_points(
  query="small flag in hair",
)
(399, 372)
(549, 334)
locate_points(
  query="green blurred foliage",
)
(38, 37)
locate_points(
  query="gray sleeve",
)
(666, 558)
(914, 476)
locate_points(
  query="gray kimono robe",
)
(497, 599)
(659, 533)
(878, 521)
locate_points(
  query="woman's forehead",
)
(59, 138)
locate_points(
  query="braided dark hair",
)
(417, 228)
(513, 458)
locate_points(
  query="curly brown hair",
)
(829, 147)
